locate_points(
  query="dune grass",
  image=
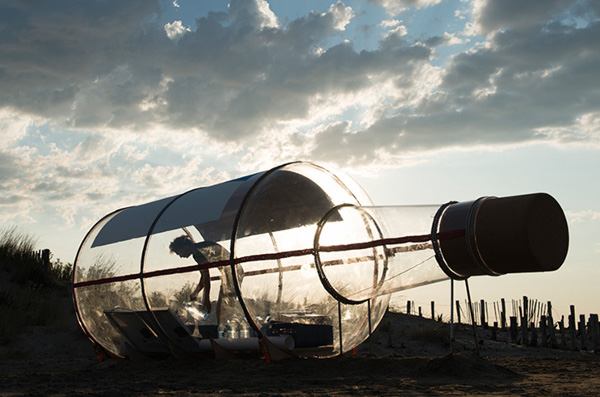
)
(29, 294)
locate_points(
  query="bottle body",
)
(297, 251)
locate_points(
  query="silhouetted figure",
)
(209, 251)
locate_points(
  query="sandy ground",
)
(406, 355)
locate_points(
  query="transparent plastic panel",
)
(281, 287)
(192, 297)
(106, 278)
(97, 302)
(177, 292)
(379, 250)
(191, 292)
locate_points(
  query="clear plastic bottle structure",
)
(298, 260)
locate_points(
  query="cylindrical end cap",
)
(516, 234)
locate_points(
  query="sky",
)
(107, 104)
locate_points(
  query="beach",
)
(406, 355)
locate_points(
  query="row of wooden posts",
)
(531, 323)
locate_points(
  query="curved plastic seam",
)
(77, 313)
(319, 266)
(155, 322)
(471, 240)
(439, 257)
(234, 230)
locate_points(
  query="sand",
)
(406, 355)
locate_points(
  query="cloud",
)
(395, 7)
(341, 15)
(390, 23)
(540, 77)
(491, 15)
(10, 169)
(114, 67)
(239, 74)
(13, 127)
(583, 216)
(51, 51)
(525, 84)
(245, 84)
(175, 30)
(445, 39)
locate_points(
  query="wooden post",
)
(594, 332)
(503, 314)
(420, 312)
(482, 314)
(572, 327)
(514, 333)
(495, 331)
(432, 310)
(563, 336)
(407, 307)
(551, 330)
(458, 311)
(542, 309)
(46, 259)
(544, 330)
(525, 311)
(524, 336)
(533, 341)
(496, 311)
(582, 333)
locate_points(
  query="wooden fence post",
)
(46, 259)
(582, 333)
(544, 330)
(551, 331)
(432, 310)
(514, 332)
(503, 314)
(525, 312)
(533, 341)
(482, 314)
(572, 328)
(524, 336)
(563, 336)
(496, 311)
(594, 332)
(407, 307)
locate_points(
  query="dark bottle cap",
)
(515, 234)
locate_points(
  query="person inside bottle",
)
(209, 251)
